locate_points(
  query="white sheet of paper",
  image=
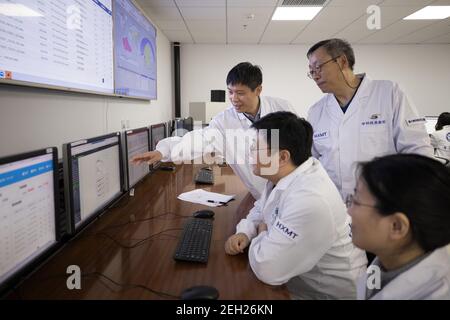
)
(201, 196)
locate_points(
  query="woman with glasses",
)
(401, 212)
(358, 118)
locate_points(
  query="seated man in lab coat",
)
(358, 118)
(400, 212)
(226, 133)
(298, 231)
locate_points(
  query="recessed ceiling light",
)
(296, 13)
(17, 10)
(430, 13)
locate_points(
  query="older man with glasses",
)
(358, 118)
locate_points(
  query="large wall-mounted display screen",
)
(67, 44)
(135, 52)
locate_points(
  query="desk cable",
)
(127, 285)
(132, 220)
(141, 241)
(101, 276)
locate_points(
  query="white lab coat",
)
(307, 244)
(237, 155)
(427, 280)
(379, 121)
(440, 140)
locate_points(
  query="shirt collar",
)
(285, 182)
(244, 116)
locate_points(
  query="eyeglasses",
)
(351, 201)
(318, 68)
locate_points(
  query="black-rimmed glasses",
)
(317, 69)
(350, 200)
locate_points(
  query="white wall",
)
(423, 71)
(33, 118)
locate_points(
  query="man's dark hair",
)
(335, 48)
(417, 186)
(245, 74)
(443, 120)
(295, 134)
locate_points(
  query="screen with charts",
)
(66, 44)
(27, 209)
(136, 142)
(93, 176)
(135, 52)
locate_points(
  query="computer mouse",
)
(200, 293)
(204, 214)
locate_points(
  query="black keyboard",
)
(195, 240)
(205, 176)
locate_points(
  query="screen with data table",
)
(67, 44)
(27, 210)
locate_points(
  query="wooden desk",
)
(151, 263)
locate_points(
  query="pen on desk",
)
(218, 202)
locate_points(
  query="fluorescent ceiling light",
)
(17, 10)
(430, 13)
(296, 13)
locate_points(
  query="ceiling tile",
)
(206, 13)
(358, 30)
(200, 3)
(353, 3)
(420, 3)
(162, 13)
(252, 3)
(171, 24)
(241, 13)
(434, 30)
(250, 34)
(395, 31)
(205, 26)
(441, 39)
(282, 32)
(327, 22)
(182, 36)
(156, 3)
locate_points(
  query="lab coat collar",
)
(335, 110)
(423, 275)
(262, 110)
(285, 182)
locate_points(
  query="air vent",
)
(288, 3)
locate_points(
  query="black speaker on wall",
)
(217, 95)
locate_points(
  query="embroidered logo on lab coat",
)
(375, 116)
(448, 137)
(373, 122)
(321, 135)
(285, 230)
(415, 121)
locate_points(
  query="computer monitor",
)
(157, 133)
(189, 124)
(431, 124)
(135, 142)
(178, 127)
(93, 177)
(169, 128)
(28, 212)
